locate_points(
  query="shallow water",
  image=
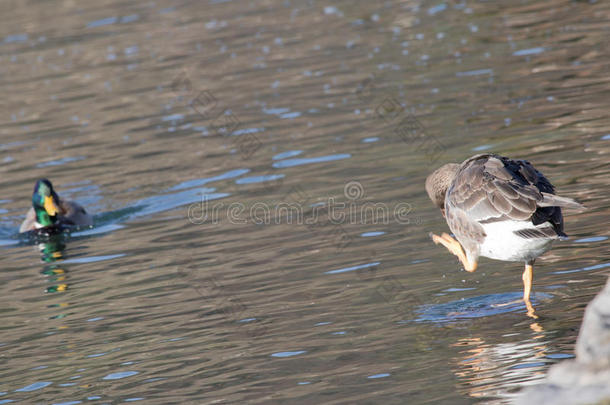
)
(210, 140)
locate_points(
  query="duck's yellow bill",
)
(49, 206)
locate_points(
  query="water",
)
(211, 141)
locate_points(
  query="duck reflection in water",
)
(52, 254)
(48, 223)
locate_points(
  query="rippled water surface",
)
(209, 140)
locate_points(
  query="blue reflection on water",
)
(591, 239)
(370, 234)
(288, 354)
(475, 307)
(200, 182)
(287, 154)
(34, 387)
(59, 162)
(305, 161)
(381, 375)
(530, 51)
(118, 376)
(259, 179)
(92, 259)
(588, 268)
(102, 22)
(346, 269)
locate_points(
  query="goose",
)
(499, 208)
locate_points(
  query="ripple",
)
(102, 22)
(330, 10)
(129, 18)
(588, 268)
(381, 375)
(275, 111)
(477, 72)
(60, 162)
(288, 354)
(173, 117)
(482, 147)
(15, 38)
(526, 365)
(290, 115)
(247, 131)
(98, 230)
(93, 259)
(259, 179)
(475, 307)
(437, 9)
(591, 239)
(97, 355)
(530, 51)
(287, 154)
(120, 375)
(161, 203)
(346, 269)
(305, 161)
(371, 234)
(559, 356)
(35, 386)
(202, 181)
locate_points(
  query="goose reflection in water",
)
(487, 370)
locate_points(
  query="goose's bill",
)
(49, 206)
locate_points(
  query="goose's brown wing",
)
(490, 188)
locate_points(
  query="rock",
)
(585, 380)
(593, 344)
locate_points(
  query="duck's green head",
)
(45, 203)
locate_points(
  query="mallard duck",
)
(48, 210)
(499, 208)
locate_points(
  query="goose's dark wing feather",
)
(489, 188)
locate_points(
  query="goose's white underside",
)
(501, 242)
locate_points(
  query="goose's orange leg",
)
(454, 247)
(528, 275)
